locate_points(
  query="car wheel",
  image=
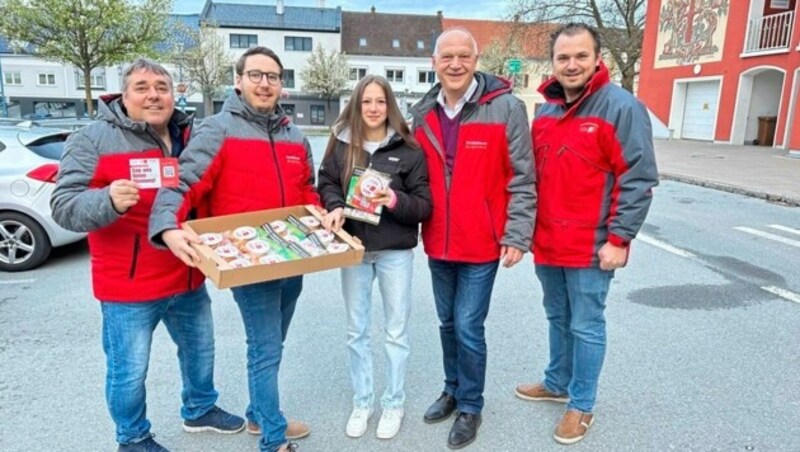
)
(23, 243)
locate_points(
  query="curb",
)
(770, 197)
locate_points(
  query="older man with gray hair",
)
(138, 286)
(476, 141)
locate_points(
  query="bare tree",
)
(87, 34)
(203, 61)
(495, 57)
(619, 22)
(326, 74)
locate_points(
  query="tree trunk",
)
(87, 91)
(628, 78)
(208, 105)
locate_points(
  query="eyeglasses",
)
(255, 76)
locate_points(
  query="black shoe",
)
(464, 431)
(146, 445)
(215, 420)
(441, 409)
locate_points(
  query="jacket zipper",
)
(135, 257)
(277, 165)
(432, 138)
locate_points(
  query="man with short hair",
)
(138, 286)
(476, 141)
(248, 157)
(595, 170)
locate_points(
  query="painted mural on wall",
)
(691, 31)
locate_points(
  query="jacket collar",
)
(273, 121)
(111, 109)
(489, 87)
(554, 92)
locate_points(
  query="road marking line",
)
(783, 293)
(664, 246)
(18, 281)
(785, 229)
(767, 235)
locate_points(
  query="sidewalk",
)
(761, 172)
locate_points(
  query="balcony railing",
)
(769, 33)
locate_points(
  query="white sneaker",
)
(357, 424)
(390, 422)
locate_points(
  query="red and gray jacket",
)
(239, 160)
(125, 267)
(595, 169)
(489, 199)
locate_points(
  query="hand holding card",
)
(154, 172)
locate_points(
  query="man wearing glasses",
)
(247, 157)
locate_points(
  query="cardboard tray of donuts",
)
(270, 244)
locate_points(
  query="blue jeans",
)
(127, 336)
(462, 292)
(267, 310)
(574, 301)
(393, 268)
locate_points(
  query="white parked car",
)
(29, 157)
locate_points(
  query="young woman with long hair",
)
(371, 133)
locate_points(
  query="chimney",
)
(439, 14)
(279, 8)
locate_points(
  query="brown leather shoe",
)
(573, 427)
(294, 429)
(538, 393)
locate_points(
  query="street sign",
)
(182, 104)
(514, 65)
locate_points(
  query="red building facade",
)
(724, 70)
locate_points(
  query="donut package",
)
(270, 244)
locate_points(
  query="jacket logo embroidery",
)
(293, 158)
(394, 159)
(475, 144)
(588, 127)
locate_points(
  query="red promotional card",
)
(155, 172)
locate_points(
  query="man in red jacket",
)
(138, 286)
(245, 158)
(595, 171)
(475, 137)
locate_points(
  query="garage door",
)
(700, 111)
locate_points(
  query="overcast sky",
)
(465, 9)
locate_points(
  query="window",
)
(50, 147)
(526, 81)
(297, 44)
(43, 110)
(424, 76)
(47, 79)
(243, 41)
(357, 73)
(317, 114)
(362, 42)
(288, 78)
(421, 44)
(394, 75)
(12, 78)
(97, 79)
(396, 43)
(288, 109)
(779, 4)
